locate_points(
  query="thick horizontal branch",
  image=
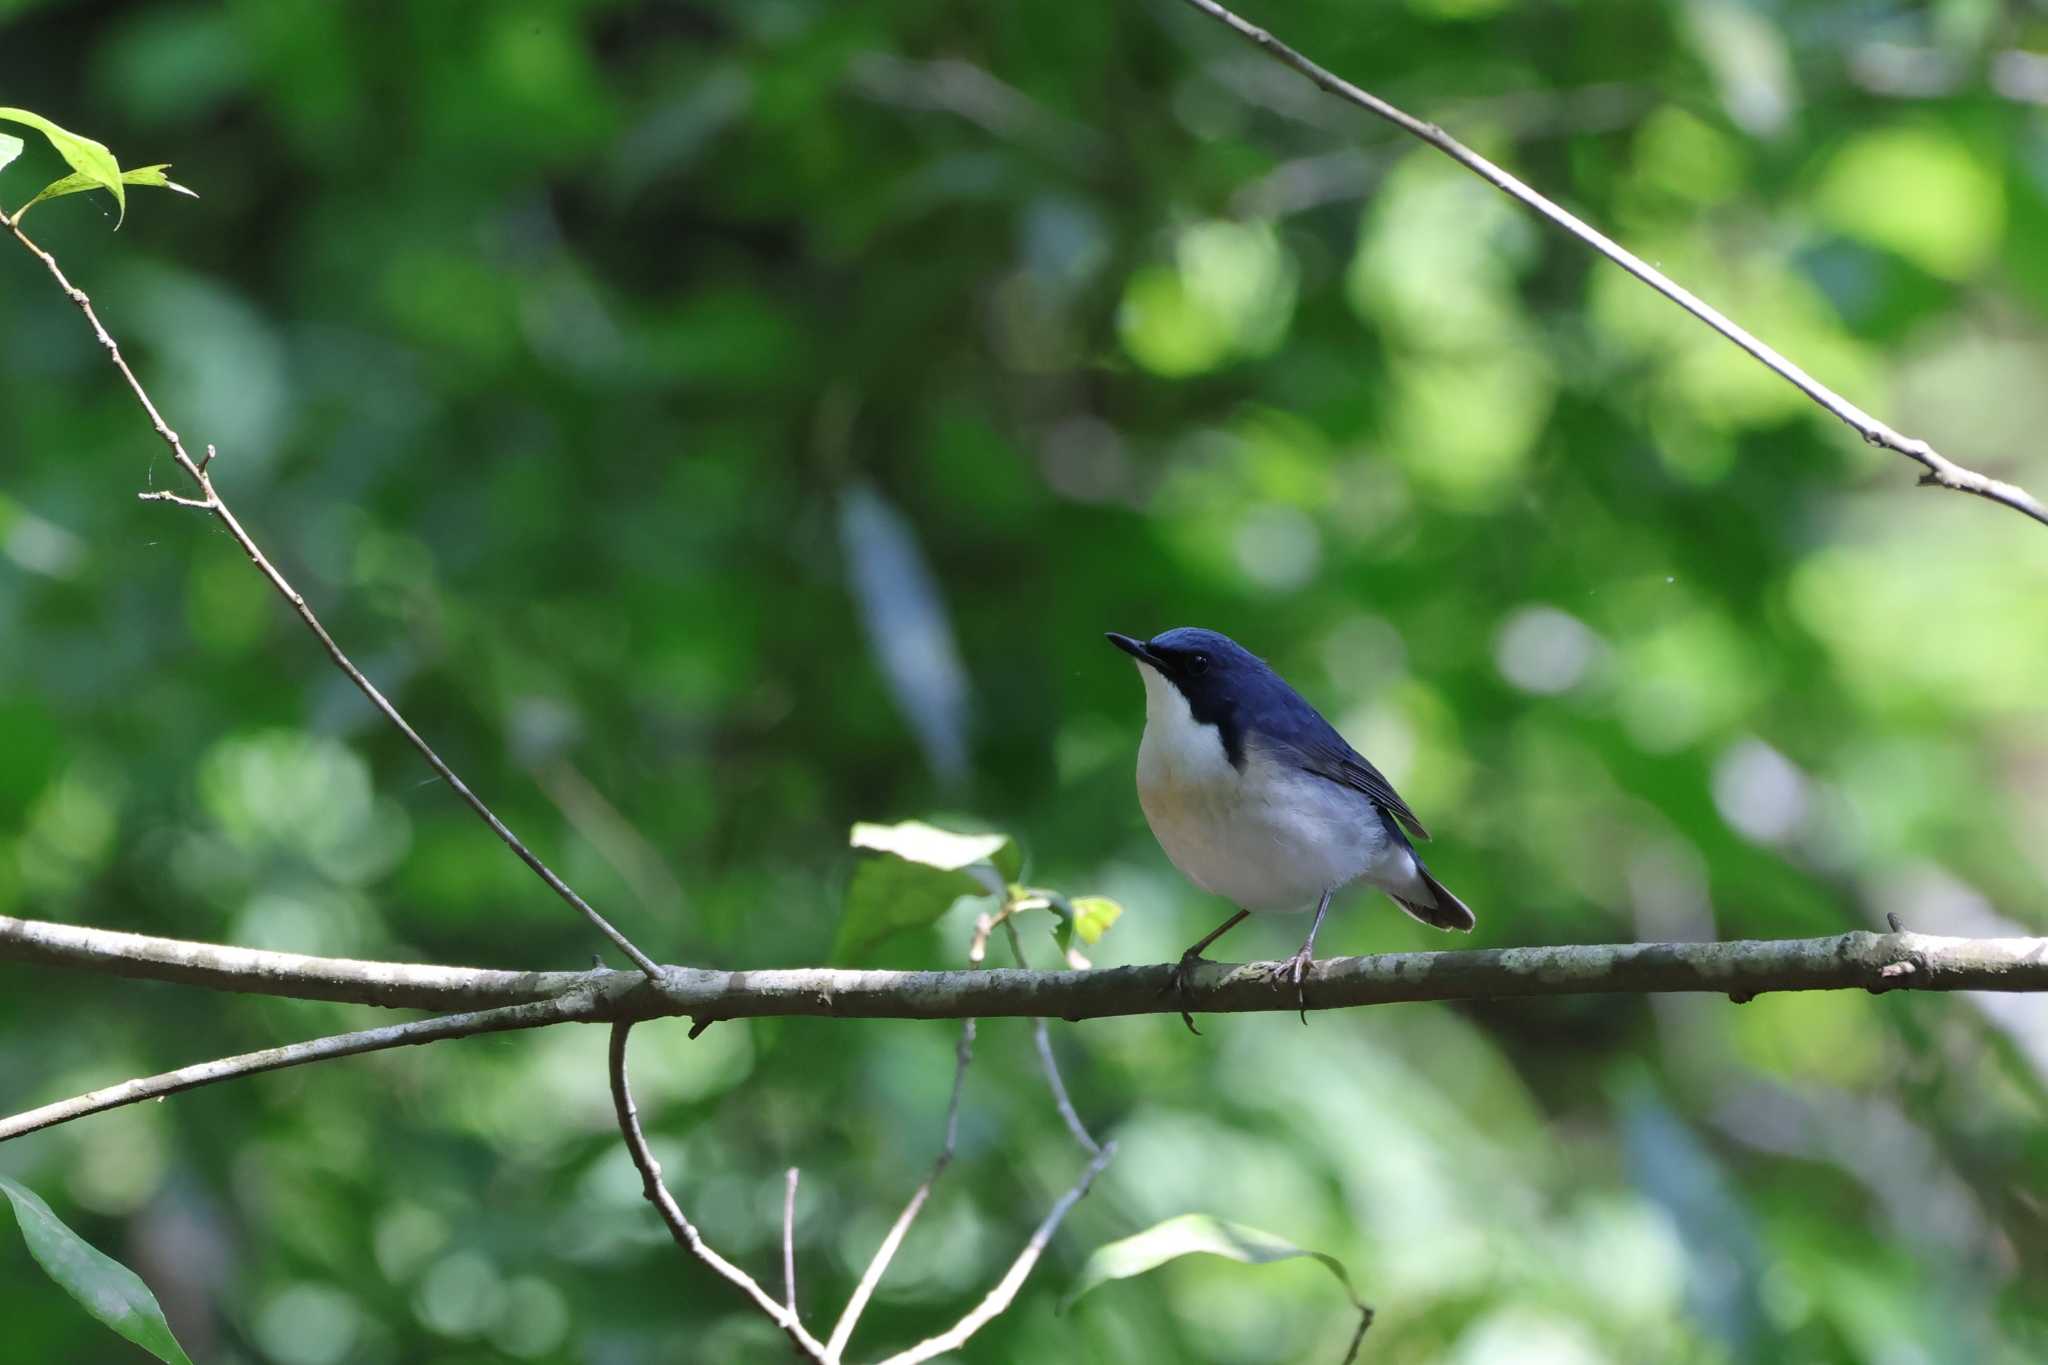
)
(497, 1001)
(1743, 968)
(253, 971)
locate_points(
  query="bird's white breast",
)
(1269, 837)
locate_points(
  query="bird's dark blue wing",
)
(1319, 749)
(1343, 764)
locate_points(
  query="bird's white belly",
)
(1271, 838)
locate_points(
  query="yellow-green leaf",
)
(77, 184)
(1093, 915)
(89, 158)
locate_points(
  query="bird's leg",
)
(1297, 966)
(1184, 974)
(1184, 971)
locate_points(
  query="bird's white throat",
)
(1178, 750)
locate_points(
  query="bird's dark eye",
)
(1198, 663)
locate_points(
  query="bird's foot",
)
(1184, 972)
(1183, 981)
(1293, 970)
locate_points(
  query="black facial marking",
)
(1215, 675)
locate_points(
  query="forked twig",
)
(211, 501)
(842, 1331)
(1006, 1289)
(679, 1226)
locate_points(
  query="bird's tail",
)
(1441, 909)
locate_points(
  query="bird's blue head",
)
(1223, 683)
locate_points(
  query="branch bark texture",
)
(1740, 968)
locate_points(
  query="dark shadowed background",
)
(714, 424)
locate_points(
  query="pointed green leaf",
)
(77, 184)
(108, 1290)
(1193, 1233)
(90, 159)
(10, 148)
(889, 896)
(1093, 915)
(923, 871)
(1008, 861)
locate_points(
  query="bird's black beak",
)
(1137, 649)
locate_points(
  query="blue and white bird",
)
(1257, 799)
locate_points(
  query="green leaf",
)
(77, 184)
(924, 870)
(90, 159)
(10, 148)
(108, 1290)
(917, 842)
(1193, 1233)
(1093, 915)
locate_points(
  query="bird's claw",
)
(1294, 969)
(1182, 981)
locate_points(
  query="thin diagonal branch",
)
(842, 1331)
(211, 501)
(789, 1243)
(536, 1014)
(1041, 1038)
(1059, 1088)
(679, 1226)
(1940, 470)
(998, 1299)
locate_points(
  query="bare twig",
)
(1006, 1289)
(842, 1331)
(162, 496)
(789, 1243)
(1939, 469)
(536, 1014)
(1059, 1088)
(679, 1226)
(1041, 1039)
(211, 501)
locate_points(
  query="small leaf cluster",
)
(923, 870)
(93, 166)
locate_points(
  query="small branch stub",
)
(163, 495)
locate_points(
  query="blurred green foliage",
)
(718, 423)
